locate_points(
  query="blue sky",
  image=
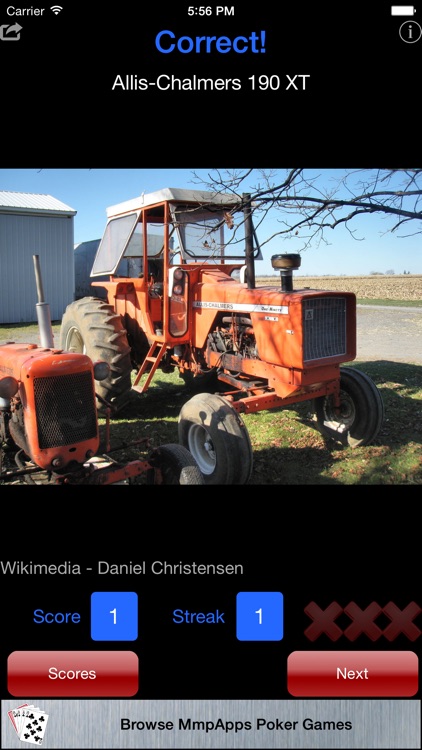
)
(90, 191)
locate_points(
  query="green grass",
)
(289, 450)
(21, 331)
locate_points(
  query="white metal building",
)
(33, 224)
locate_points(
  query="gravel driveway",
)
(389, 333)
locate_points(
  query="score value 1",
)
(259, 616)
(114, 616)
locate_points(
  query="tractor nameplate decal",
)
(242, 307)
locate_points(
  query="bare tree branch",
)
(308, 207)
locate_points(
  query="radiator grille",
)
(324, 327)
(66, 409)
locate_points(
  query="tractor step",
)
(153, 359)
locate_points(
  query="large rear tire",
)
(361, 413)
(175, 466)
(91, 326)
(217, 437)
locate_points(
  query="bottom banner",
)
(116, 723)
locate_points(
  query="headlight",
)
(101, 370)
(8, 387)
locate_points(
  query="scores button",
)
(352, 674)
(73, 673)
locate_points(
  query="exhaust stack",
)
(287, 263)
(43, 309)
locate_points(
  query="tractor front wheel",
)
(217, 438)
(90, 326)
(360, 416)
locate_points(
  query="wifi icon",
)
(56, 9)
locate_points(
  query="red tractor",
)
(49, 426)
(181, 293)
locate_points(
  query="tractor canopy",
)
(190, 226)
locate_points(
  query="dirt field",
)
(400, 287)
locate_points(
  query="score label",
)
(114, 616)
(259, 616)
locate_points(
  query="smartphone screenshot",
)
(216, 618)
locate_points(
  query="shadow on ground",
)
(287, 447)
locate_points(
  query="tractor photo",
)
(178, 270)
(49, 432)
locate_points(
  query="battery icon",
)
(402, 10)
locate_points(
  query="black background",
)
(359, 107)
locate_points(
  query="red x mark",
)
(323, 621)
(401, 621)
(363, 621)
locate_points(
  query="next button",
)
(352, 673)
(72, 673)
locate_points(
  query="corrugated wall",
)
(21, 237)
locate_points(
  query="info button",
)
(73, 673)
(352, 674)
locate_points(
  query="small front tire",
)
(361, 413)
(217, 437)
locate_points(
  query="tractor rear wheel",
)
(361, 413)
(91, 326)
(217, 438)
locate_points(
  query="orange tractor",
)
(178, 267)
(48, 420)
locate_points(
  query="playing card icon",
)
(29, 723)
